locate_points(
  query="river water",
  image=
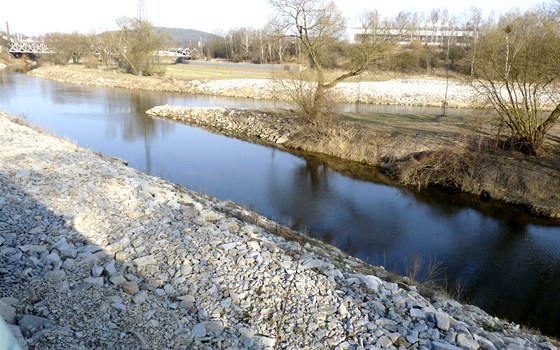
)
(500, 259)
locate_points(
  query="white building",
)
(426, 35)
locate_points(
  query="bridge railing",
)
(29, 47)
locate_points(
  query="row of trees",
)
(131, 47)
(269, 45)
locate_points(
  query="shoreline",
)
(400, 91)
(108, 256)
(396, 152)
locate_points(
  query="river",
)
(496, 257)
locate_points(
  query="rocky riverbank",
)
(94, 254)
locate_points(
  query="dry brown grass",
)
(24, 121)
(15, 64)
(444, 167)
(490, 173)
(375, 141)
(351, 142)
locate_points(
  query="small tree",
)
(67, 47)
(134, 45)
(516, 67)
(102, 47)
(319, 26)
(4, 41)
(474, 23)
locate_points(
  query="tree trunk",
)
(317, 108)
(531, 144)
(549, 122)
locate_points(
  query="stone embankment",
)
(285, 130)
(415, 92)
(264, 127)
(94, 254)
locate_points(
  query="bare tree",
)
(248, 36)
(318, 26)
(517, 69)
(416, 19)
(101, 47)
(67, 47)
(434, 19)
(261, 35)
(474, 23)
(402, 24)
(134, 45)
(279, 45)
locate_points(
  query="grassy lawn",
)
(216, 71)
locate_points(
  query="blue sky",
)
(215, 16)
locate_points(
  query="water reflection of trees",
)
(6, 79)
(298, 199)
(7, 85)
(68, 94)
(123, 109)
(133, 122)
(309, 202)
(449, 203)
(317, 173)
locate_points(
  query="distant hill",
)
(186, 37)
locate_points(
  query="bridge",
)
(32, 48)
(28, 47)
(186, 52)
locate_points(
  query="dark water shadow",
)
(443, 200)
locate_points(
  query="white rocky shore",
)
(412, 91)
(96, 255)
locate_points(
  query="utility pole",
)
(8, 30)
(141, 11)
